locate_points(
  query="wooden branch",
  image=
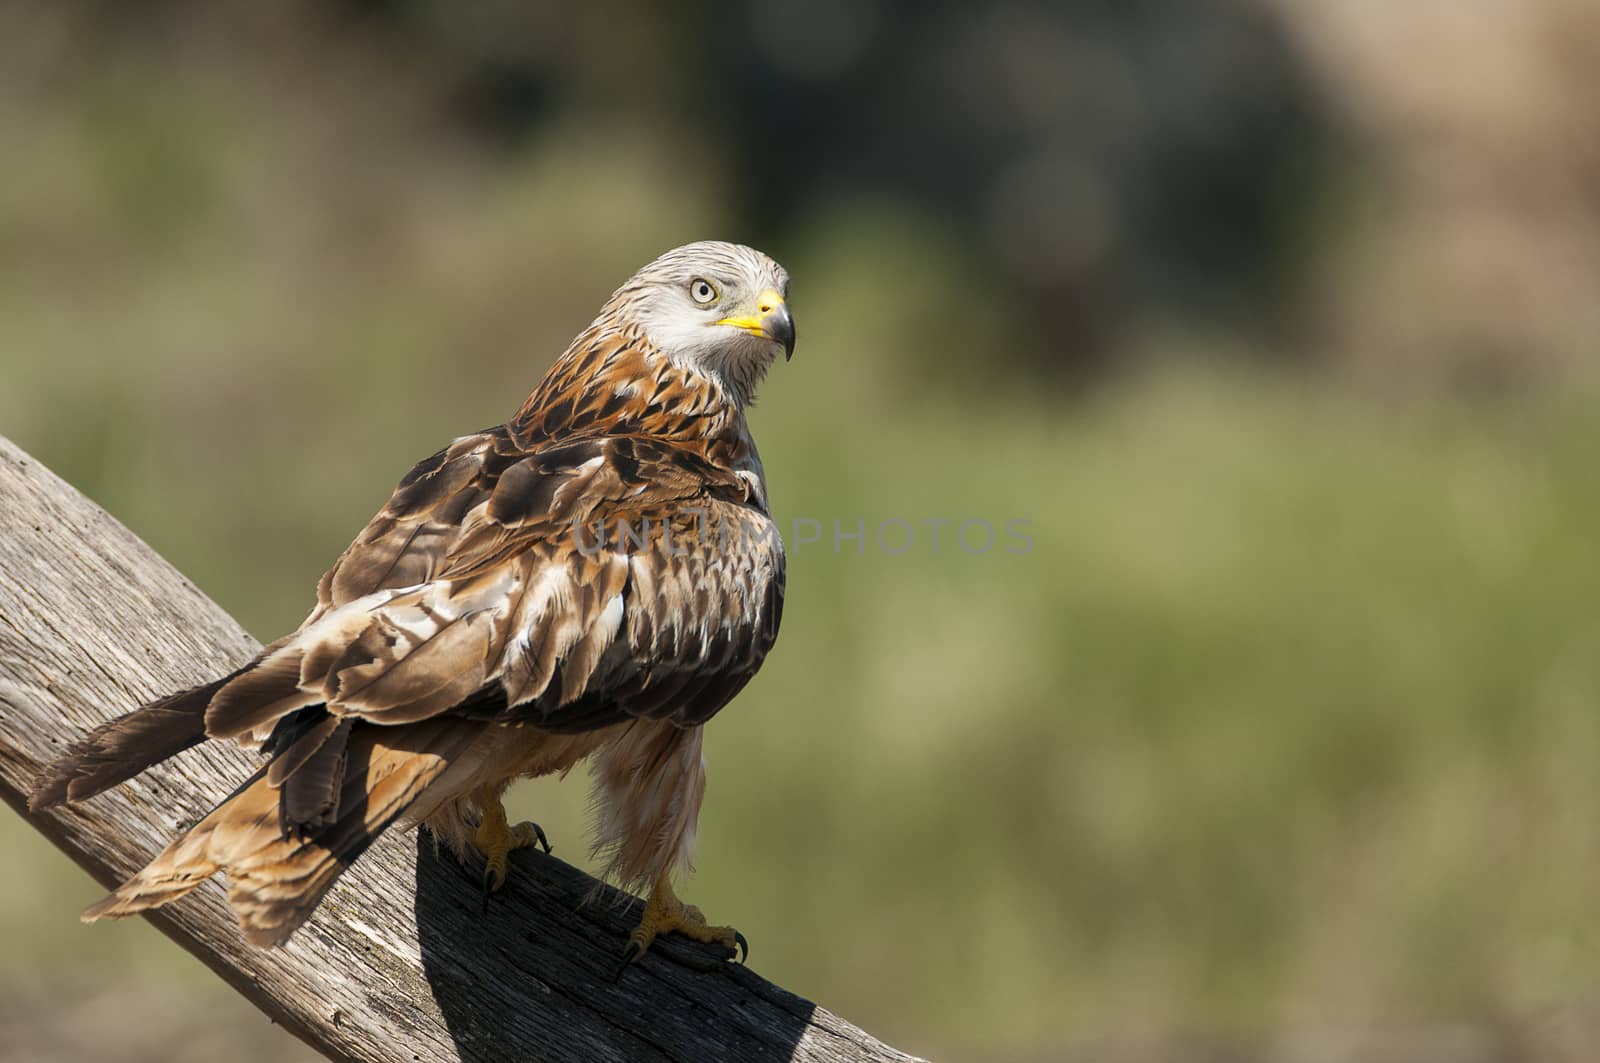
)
(401, 962)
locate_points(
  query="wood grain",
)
(401, 962)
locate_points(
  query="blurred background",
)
(1277, 320)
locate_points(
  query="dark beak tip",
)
(783, 332)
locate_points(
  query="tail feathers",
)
(275, 882)
(119, 749)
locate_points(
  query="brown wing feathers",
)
(258, 696)
(121, 748)
(309, 773)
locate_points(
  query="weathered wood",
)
(400, 962)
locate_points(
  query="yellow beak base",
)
(772, 322)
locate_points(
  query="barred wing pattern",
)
(570, 588)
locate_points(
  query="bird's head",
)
(713, 306)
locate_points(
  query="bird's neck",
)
(614, 382)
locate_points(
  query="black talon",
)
(491, 882)
(629, 955)
(538, 832)
(744, 946)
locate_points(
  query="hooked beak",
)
(772, 322)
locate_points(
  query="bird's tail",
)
(276, 877)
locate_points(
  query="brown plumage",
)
(595, 578)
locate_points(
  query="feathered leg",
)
(649, 783)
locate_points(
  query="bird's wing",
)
(682, 623)
(570, 586)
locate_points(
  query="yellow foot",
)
(664, 912)
(496, 838)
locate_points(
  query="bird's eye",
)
(702, 290)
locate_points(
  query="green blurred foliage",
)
(1285, 725)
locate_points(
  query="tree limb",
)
(400, 962)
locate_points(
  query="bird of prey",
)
(593, 579)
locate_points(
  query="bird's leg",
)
(496, 838)
(664, 912)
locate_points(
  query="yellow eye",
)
(702, 291)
